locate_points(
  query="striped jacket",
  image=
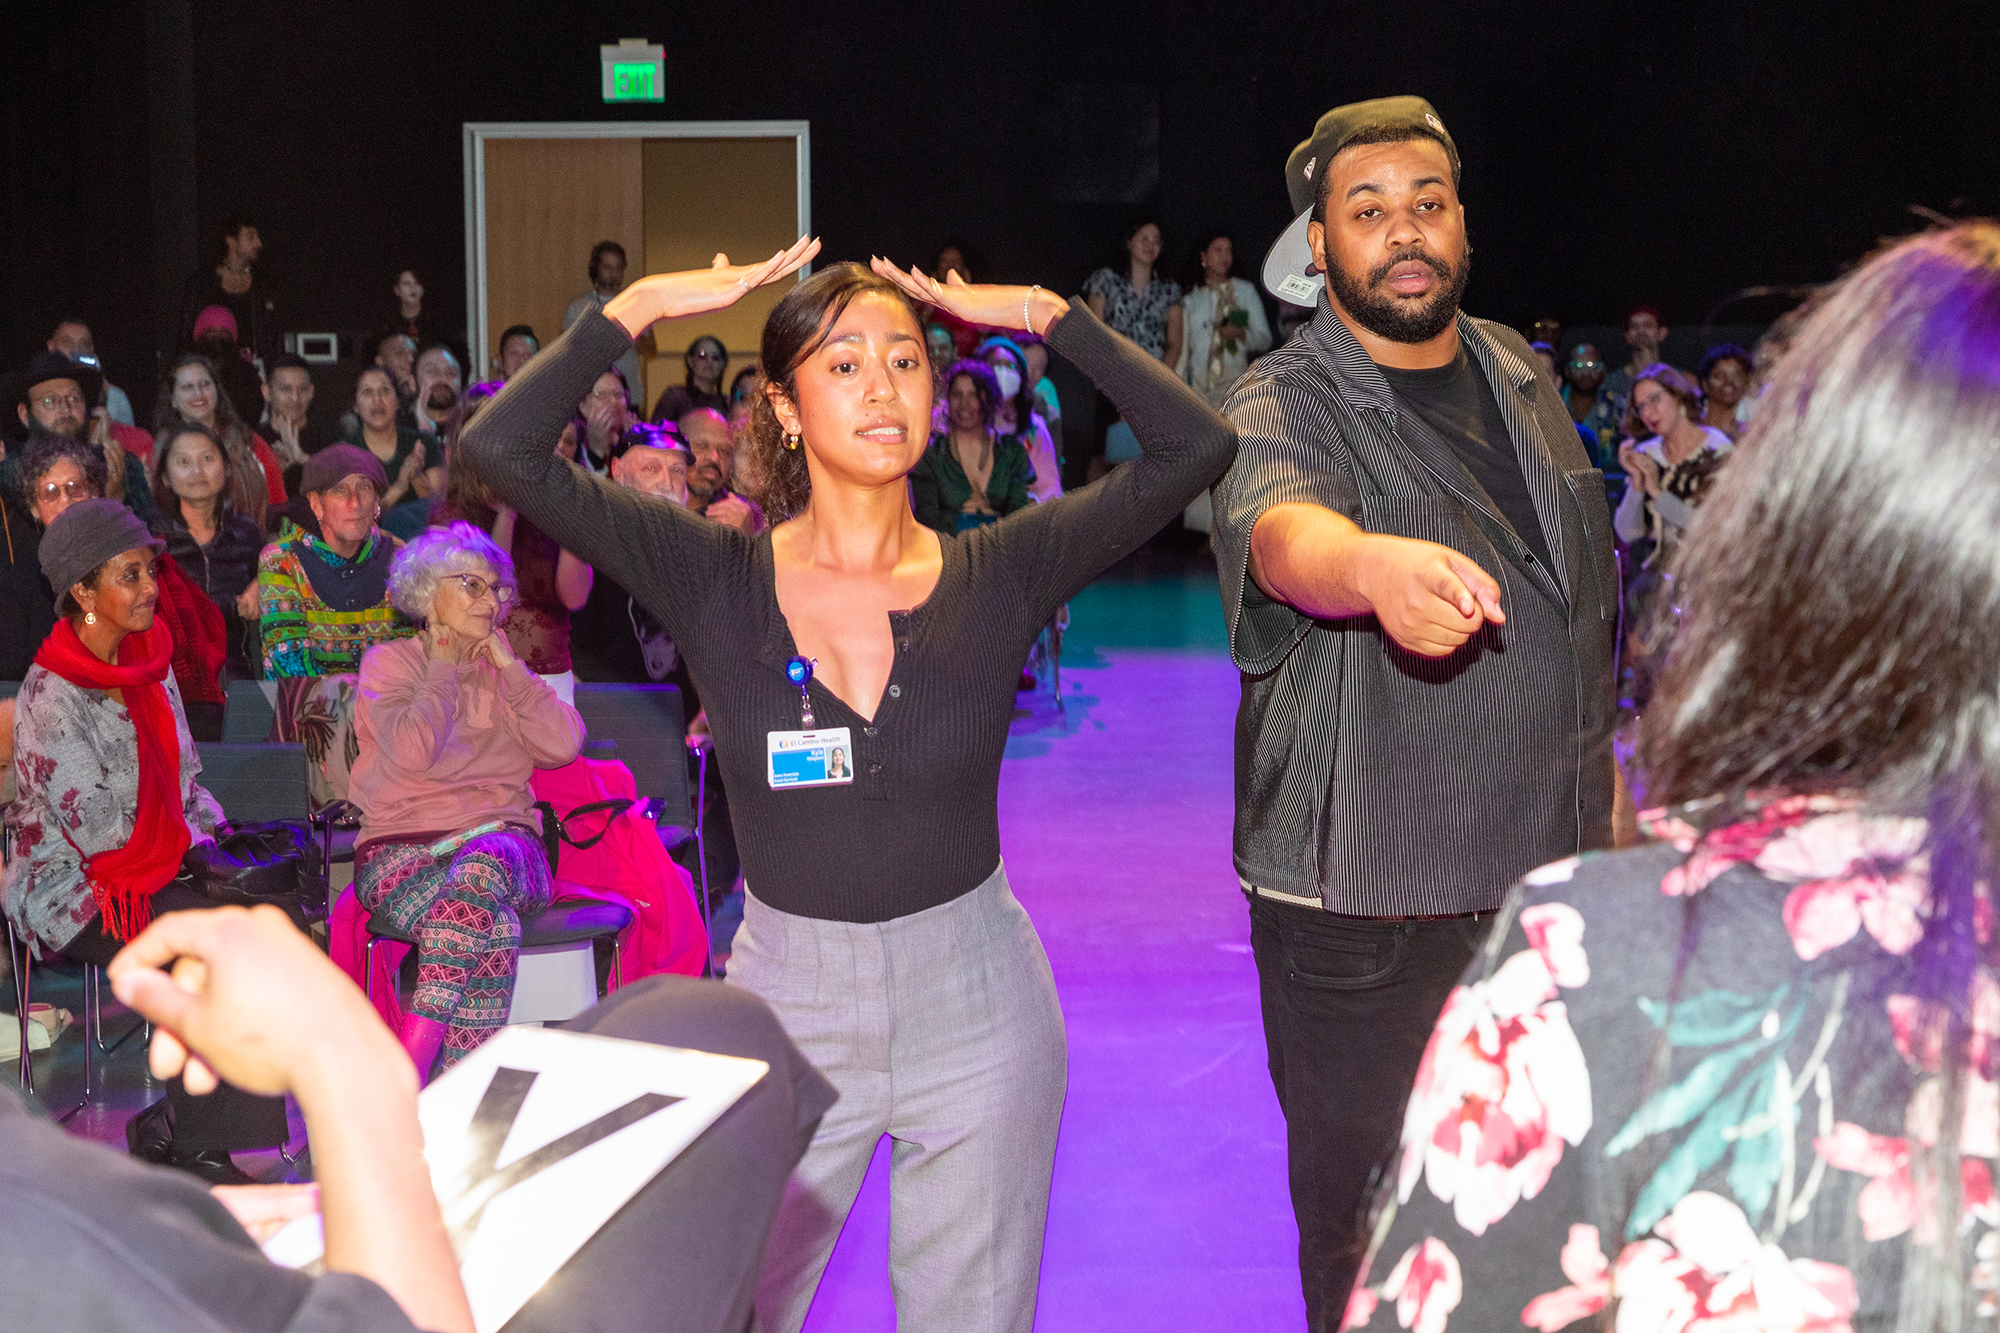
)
(1381, 782)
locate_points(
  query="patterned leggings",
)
(465, 914)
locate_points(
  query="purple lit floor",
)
(1169, 1209)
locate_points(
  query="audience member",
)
(396, 352)
(954, 257)
(1724, 376)
(939, 344)
(234, 284)
(73, 339)
(1771, 349)
(1137, 301)
(215, 337)
(288, 399)
(1546, 354)
(706, 360)
(1222, 321)
(550, 583)
(451, 725)
(613, 639)
(256, 479)
(1544, 329)
(518, 346)
(741, 390)
(409, 317)
(324, 600)
(412, 461)
(1589, 406)
(607, 279)
(1047, 401)
(1675, 460)
(27, 610)
(55, 397)
(1014, 413)
(439, 383)
(1644, 333)
(712, 445)
(970, 475)
(108, 800)
(215, 545)
(606, 412)
(1742, 1077)
(57, 472)
(123, 1244)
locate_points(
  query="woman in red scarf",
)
(108, 800)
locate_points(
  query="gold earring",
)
(90, 617)
(792, 441)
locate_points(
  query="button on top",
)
(895, 691)
(874, 769)
(868, 731)
(904, 644)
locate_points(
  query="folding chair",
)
(248, 714)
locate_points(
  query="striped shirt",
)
(1379, 782)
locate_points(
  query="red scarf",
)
(124, 879)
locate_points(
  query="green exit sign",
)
(634, 71)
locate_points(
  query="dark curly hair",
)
(45, 451)
(795, 330)
(1722, 352)
(984, 383)
(1676, 382)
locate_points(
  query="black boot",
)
(150, 1134)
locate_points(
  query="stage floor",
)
(1169, 1209)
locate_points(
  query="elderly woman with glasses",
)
(451, 724)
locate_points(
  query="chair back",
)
(247, 714)
(650, 730)
(255, 783)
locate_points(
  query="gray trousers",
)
(942, 1030)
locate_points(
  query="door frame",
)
(476, 134)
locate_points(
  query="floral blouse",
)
(76, 759)
(1140, 316)
(1596, 1141)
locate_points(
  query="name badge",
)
(810, 758)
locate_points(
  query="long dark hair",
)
(248, 491)
(1023, 401)
(688, 357)
(797, 326)
(165, 498)
(1841, 619)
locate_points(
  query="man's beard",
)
(37, 431)
(439, 402)
(1402, 319)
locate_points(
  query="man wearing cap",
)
(1417, 574)
(57, 395)
(325, 599)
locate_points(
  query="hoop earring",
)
(792, 442)
(90, 617)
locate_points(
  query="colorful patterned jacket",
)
(322, 612)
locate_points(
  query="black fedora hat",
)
(46, 365)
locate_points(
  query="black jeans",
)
(229, 1118)
(1349, 1003)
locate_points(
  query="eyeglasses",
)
(607, 395)
(707, 354)
(1586, 365)
(50, 402)
(476, 588)
(76, 488)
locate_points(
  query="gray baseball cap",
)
(1289, 271)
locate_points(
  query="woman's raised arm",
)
(644, 544)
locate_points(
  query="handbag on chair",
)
(276, 863)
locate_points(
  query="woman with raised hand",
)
(879, 924)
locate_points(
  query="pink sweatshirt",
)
(446, 747)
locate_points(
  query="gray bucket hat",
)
(87, 534)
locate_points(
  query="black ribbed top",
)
(920, 824)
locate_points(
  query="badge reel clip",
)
(808, 757)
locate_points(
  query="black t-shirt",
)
(1456, 401)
